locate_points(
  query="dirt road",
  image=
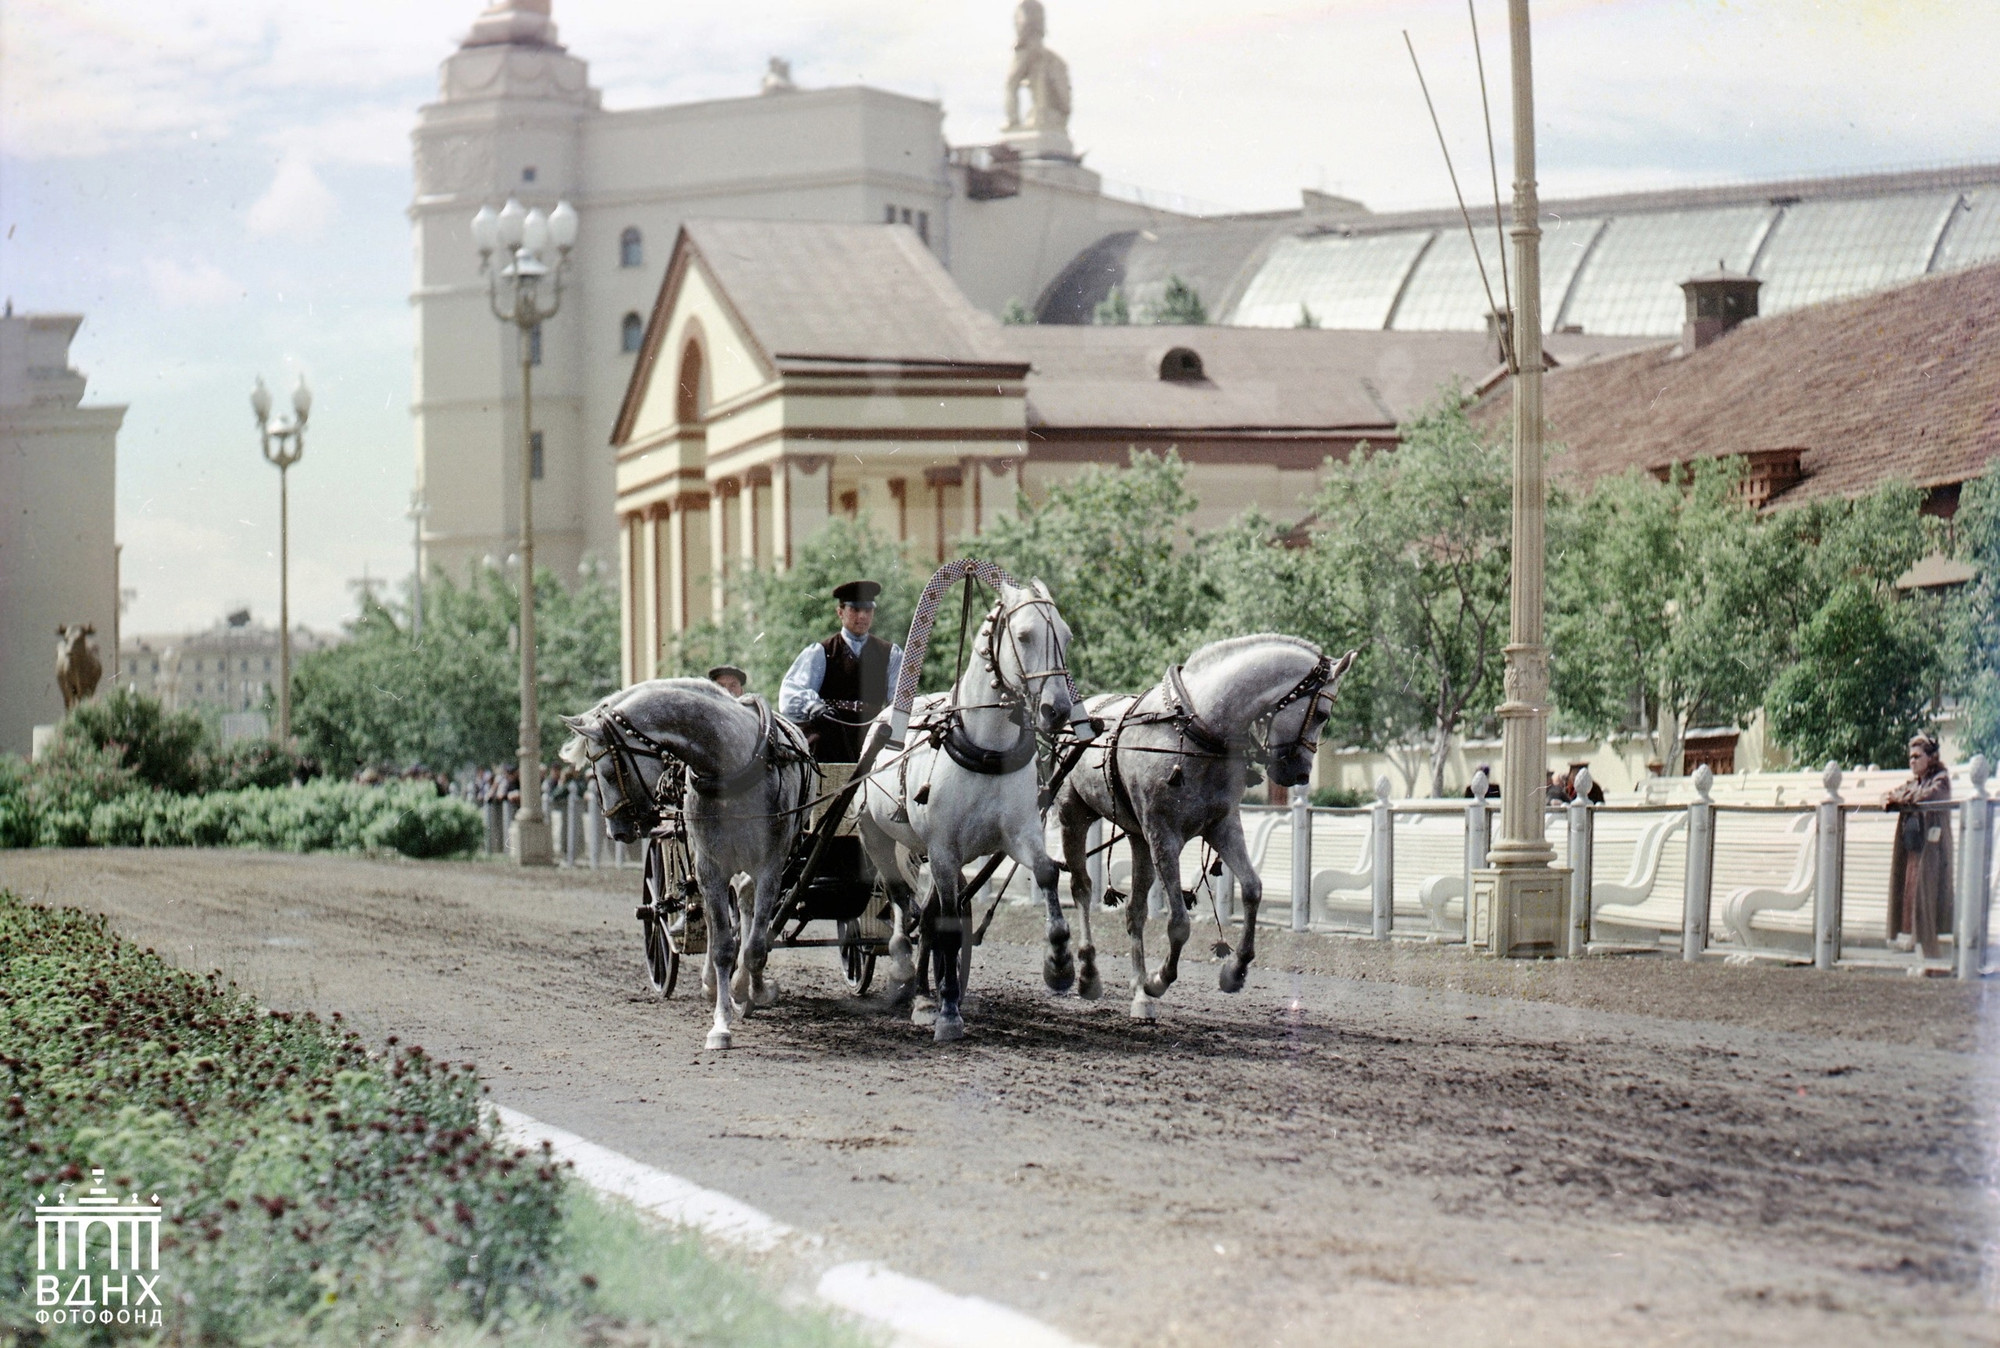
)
(1384, 1145)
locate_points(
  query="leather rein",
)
(629, 744)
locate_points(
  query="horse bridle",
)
(625, 756)
(1208, 738)
(995, 762)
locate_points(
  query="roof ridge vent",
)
(1717, 302)
(1182, 365)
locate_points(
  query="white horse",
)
(1173, 764)
(749, 777)
(967, 789)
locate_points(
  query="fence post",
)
(1301, 859)
(1582, 826)
(570, 803)
(1383, 820)
(1974, 875)
(1827, 886)
(594, 810)
(1696, 883)
(1478, 840)
(496, 833)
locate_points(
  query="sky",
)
(220, 186)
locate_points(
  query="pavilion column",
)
(752, 533)
(722, 499)
(627, 604)
(648, 663)
(676, 579)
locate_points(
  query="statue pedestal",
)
(1035, 144)
(1516, 912)
(529, 843)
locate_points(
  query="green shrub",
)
(161, 748)
(17, 811)
(437, 826)
(253, 763)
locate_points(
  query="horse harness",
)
(949, 732)
(1178, 710)
(631, 744)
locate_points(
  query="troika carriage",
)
(749, 845)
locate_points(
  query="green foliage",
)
(60, 794)
(1341, 798)
(451, 697)
(1657, 618)
(162, 749)
(1180, 304)
(1307, 318)
(1414, 543)
(1862, 683)
(1971, 648)
(1016, 314)
(1113, 311)
(253, 763)
(312, 1190)
(1116, 552)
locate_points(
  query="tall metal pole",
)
(416, 518)
(1524, 891)
(284, 605)
(530, 843)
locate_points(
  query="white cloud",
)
(197, 284)
(297, 204)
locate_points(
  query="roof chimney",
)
(1716, 303)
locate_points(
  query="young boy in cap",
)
(731, 679)
(837, 686)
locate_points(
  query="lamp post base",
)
(1518, 911)
(529, 843)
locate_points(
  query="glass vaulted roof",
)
(1346, 282)
(1620, 274)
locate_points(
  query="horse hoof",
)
(901, 990)
(1059, 974)
(950, 1026)
(1088, 987)
(718, 1039)
(766, 995)
(738, 1010)
(1145, 1008)
(1230, 978)
(923, 1011)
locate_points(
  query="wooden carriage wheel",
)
(663, 956)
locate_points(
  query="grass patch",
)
(313, 1190)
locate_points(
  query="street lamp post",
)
(415, 515)
(515, 289)
(1519, 897)
(284, 442)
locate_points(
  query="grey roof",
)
(1255, 379)
(818, 292)
(1610, 264)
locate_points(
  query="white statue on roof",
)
(778, 77)
(1044, 75)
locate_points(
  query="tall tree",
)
(1862, 681)
(1180, 304)
(1972, 626)
(1417, 540)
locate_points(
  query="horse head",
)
(623, 792)
(1030, 649)
(1297, 726)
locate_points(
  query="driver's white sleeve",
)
(895, 671)
(798, 695)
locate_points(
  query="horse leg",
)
(1076, 820)
(1135, 927)
(722, 939)
(1227, 839)
(757, 950)
(1167, 875)
(881, 850)
(947, 938)
(1026, 847)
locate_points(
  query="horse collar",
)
(1201, 732)
(747, 776)
(989, 762)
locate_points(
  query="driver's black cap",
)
(858, 593)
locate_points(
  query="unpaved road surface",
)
(1382, 1145)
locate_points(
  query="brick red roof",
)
(1903, 385)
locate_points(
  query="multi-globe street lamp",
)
(525, 289)
(284, 441)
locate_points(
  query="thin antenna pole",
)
(1464, 214)
(1493, 165)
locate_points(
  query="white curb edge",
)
(919, 1314)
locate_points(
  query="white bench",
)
(1750, 908)
(1640, 901)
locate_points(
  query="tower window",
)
(888, 215)
(924, 227)
(630, 333)
(631, 248)
(535, 456)
(528, 174)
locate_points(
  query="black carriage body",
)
(840, 888)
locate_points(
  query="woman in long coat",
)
(1920, 872)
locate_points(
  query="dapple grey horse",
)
(967, 789)
(1172, 765)
(749, 779)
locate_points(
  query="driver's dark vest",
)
(856, 688)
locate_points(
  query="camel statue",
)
(77, 665)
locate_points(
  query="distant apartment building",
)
(230, 669)
(58, 517)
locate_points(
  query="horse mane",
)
(573, 752)
(1228, 646)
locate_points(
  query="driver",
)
(837, 686)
